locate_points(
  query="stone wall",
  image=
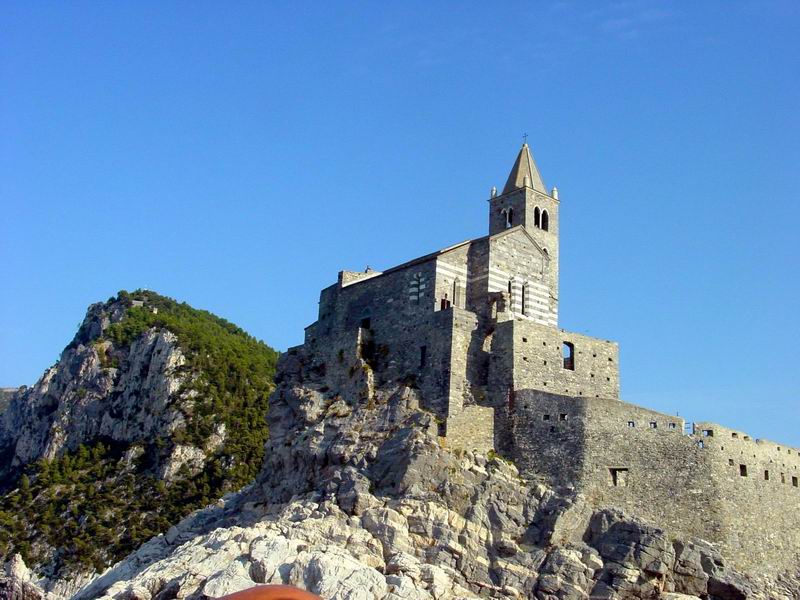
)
(621, 455)
(516, 261)
(471, 429)
(386, 320)
(759, 481)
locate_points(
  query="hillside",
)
(130, 431)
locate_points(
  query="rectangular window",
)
(631, 423)
(743, 470)
(568, 351)
(619, 477)
(545, 417)
(653, 425)
(708, 433)
(766, 475)
(794, 481)
(672, 426)
(423, 356)
(562, 417)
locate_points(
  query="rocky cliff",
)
(358, 498)
(128, 432)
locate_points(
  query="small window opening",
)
(562, 417)
(552, 428)
(730, 462)
(653, 425)
(708, 433)
(794, 481)
(631, 423)
(537, 217)
(766, 475)
(423, 356)
(619, 477)
(509, 286)
(672, 426)
(524, 298)
(524, 339)
(509, 214)
(743, 470)
(365, 323)
(545, 417)
(568, 351)
(545, 220)
(783, 477)
(736, 435)
(445, 303)
(701, 444)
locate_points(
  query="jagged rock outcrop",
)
(360, 499)
(86, 396)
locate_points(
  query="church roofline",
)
(527, 234)
(422, 259)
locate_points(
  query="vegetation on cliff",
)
(91, 506)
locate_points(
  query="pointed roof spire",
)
(524, 173)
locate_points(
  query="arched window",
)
(545, 220)
(509, 217)
(537, 217)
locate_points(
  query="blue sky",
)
(237, 155)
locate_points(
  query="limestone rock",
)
(358, 500)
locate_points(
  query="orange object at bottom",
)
(272, 592)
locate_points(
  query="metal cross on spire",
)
(524, 138)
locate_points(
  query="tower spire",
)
(524, 173)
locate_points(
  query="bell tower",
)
(525, 202)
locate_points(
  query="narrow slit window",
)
(423, 356)
(524, 298)
(743, 470)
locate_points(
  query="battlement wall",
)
(622, 455)
(759, 481)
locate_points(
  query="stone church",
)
(474, 327)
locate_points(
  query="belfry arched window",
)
(537, 217)
(545, 220)
(509, 217)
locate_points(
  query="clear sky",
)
(236, 155)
